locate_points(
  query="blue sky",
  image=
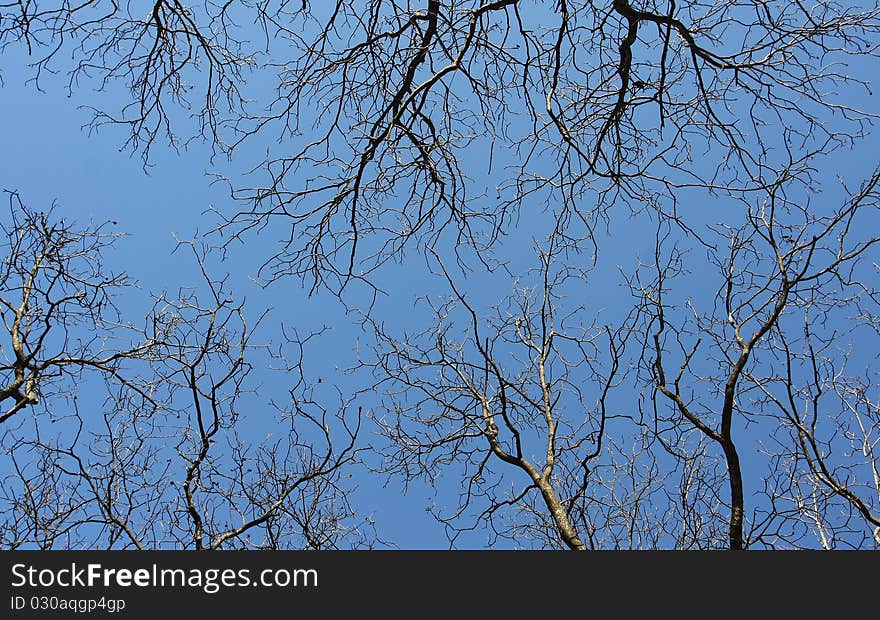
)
(50, 155)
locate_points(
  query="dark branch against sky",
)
(362, 274)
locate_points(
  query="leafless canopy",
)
(58, 308)
(689, 364)
(148, 445)
(576, 106)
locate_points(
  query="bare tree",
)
(515, 397)
(744, 358)
(745, 417)
(577, 106)
(166, 459)
(169, 55)
(433, 125)
(58, 307)
(287, 489)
